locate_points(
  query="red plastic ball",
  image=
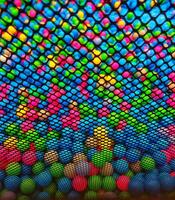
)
(29, 158)
(79, 183)
(122, 183)
(93, 170)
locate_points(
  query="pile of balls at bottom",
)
(117, 173)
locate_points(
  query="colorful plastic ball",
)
(159, 157)
(135, 167)
(26, 170)
(69, 170)
(122, 183)
(73, 195)
(79, 183)
(90, 195)
(151, 176)
(172, 164)
(136, 186)
(14, 156)
(133, 155)
(98, 160)
(77, 147)
(91, 142)
(82, 168)
(13, 169)
(43, 179)
(52, 144)
(38, 167)
(51, 189)
(56, 170)
(27, 186)
(100, 194)
(51, 157)
(42, 196)
(108, 183)
(23, 197)
(64, 184)
(121, 166)
(167, 183)
(90, 153)
(110, 196)
(119, 151)
(94, 183)
(79, 157)
(107, 169)
(12, 183)
(2, 175)
(152, 186)
(124, 196)
(165, 168)
(147, 163)
(107, 155)
(29, 158)
(93, 169)
(59, 195)
(8, 195)
(65, 156)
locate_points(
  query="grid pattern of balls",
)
(87, 98)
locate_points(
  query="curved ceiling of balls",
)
(87, 98)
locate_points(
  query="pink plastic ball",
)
(29, 158)
(14, 156)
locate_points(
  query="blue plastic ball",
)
(12, 183)
(43, 179)
(64, 184)
(121, 166)
(90, 153)
(165, 168)
(2, 175)
(167, 183)
(159, 157)
(26, 170)
(152, 186)
(52, 144)
(77, 147)
(162, 143)
(119, 151)
(42, 196)
(133, 155)
(73, 195)
(172, 164)
(136, 187)
(65, 156)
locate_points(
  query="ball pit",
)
(87, 99)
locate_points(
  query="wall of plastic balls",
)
(87, 99)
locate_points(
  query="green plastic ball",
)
(13, 169)
(148, 163)
(98, 160)
(23, 145)
(56, 170)
(27, 186)
(51, 189)
(23, 197)
(107, 154)
(108, 183)
(94, 183)
(38, 168)
(90, 195)
(59, 196)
